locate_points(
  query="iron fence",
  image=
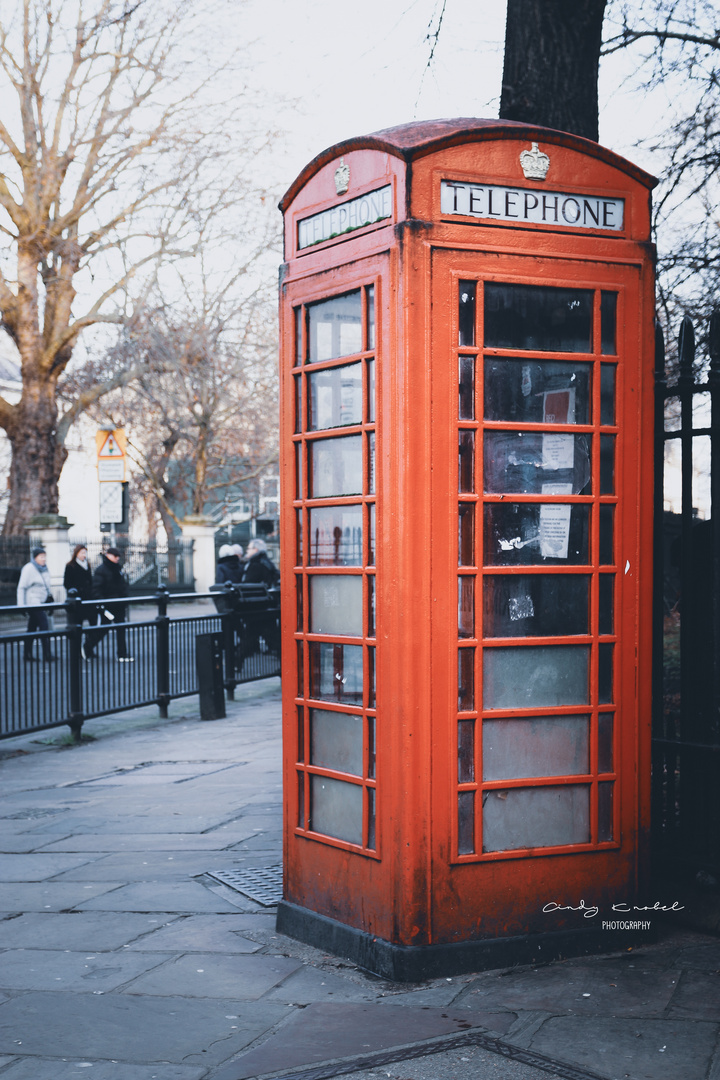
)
(149, 565)
(686, 668)
(46, 680)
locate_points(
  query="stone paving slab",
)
(43, 969)
(114, 842)
(199, 933)
(127, 867)
(308, 985)
(77, 930)
(40, 866)
(77, 1069)
(209, 975)
(325, 1031)
(184, 896)
(466, 1063)
(697, 996)
(623, 1048)
(602, 987)
(132, 1029)
(42, 896)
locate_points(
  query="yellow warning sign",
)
(110, 444)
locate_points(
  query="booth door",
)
(536, 371)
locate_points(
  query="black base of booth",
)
(415, 963)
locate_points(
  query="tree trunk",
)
(37, 459)
(552, 54)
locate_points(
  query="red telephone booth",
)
(466, 371)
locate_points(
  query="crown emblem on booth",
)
(534, 163)
(342, 177)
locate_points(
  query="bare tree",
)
(202, 424)
(106, 171)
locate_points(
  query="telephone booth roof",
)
(422, 137)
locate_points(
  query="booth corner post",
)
(466, 408)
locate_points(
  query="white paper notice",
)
(555, 523)
(558, 451)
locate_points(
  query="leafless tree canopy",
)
(118, 143)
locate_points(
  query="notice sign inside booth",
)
(525, 206)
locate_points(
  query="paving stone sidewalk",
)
(122, 958)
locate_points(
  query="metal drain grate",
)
(262, 884)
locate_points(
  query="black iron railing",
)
(686, 676)
(46, 681)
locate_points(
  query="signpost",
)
(111, 445)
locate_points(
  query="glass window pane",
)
(466, 680)
(301, 669)
(551, 534)
(371, 723)
(535, 605)
(371, 818)
(537, 391)
(536, 746)
(298, 537)
(466, 461)
(605, 674)
(370, 316)
(298, 471)
(607, 464)
(605, 613)
(466, 395)
(371, 677)
(298, 402)
(605, 812)
(371, 391)
(336, 536)
(335, 327)
(335, 397)
(466, 534)
(466, 751)
(371, 604)
(336, 466)
(371, 538)
(536, 817)
(298, 335)
(607, 516)
(538, 317)
(301, 733)
(608, 313)
(466, 606)
(336, 809)
(526, 461)
(466, 822)
(336, 741)
(534, 676)
(301, 800)
(371, 463)
(605, 742)
(336, 605)
(299, 602)
(336, 672)
(466, 312)
(607, 393)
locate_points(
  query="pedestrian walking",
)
(228, 566)
(78, 576)
(109, 586)
(32, 592)
(259, 568)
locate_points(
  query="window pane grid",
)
(335, 399)
(598, 706)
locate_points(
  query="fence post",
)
(714, 387)
(229, 623)
(73, 609)
(162, 644)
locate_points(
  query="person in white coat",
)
(32, 592)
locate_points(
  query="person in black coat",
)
(78, 576)
(229, 568)
(110, 583)
(259, 568)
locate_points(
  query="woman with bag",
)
(78, 576)
(32, 592)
